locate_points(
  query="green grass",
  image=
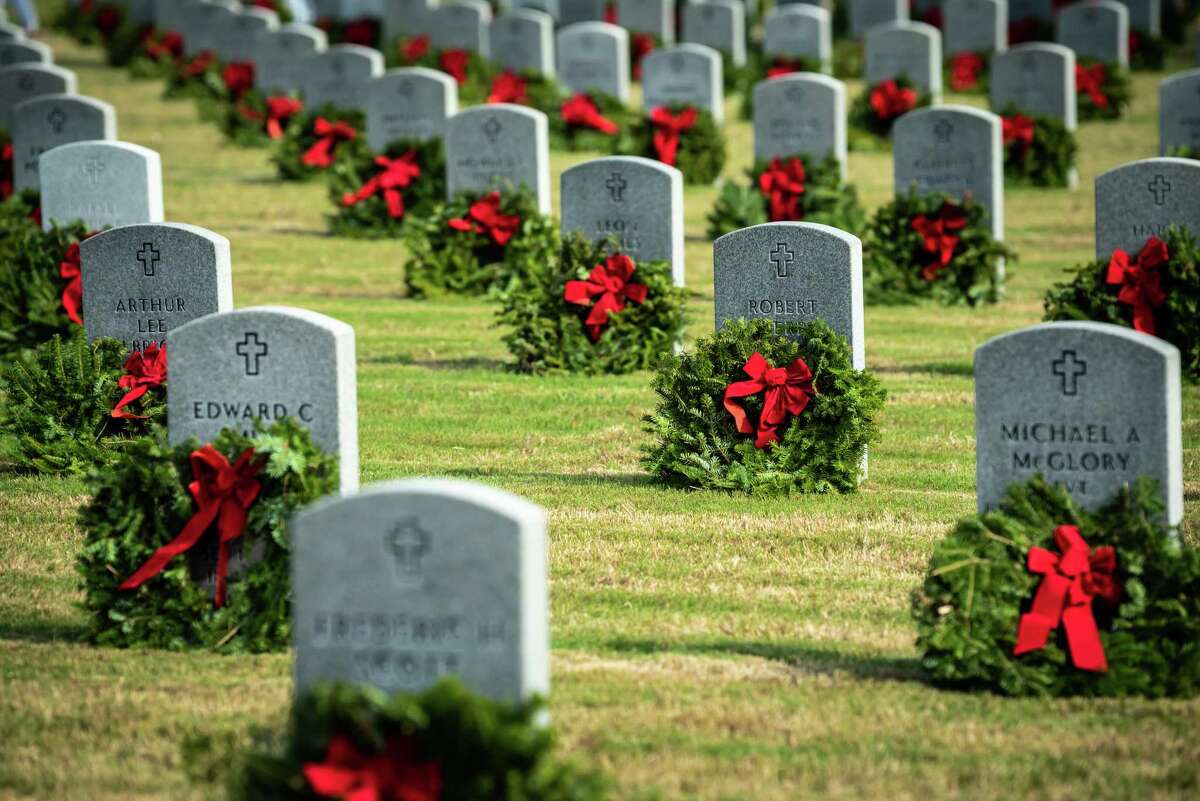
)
(704, 646)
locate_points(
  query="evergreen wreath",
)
(825, 198)
(39, 282)
(296, 154)
(126, 43)
(697, 442)
(89, 22)
(1102, 90)
(60, 401)
(968, 610)
(20, 211)
(478, 243)
(968, 72)
(256, 120)
(1146, 52)
(365, 191)
(471, 72)
(931, 245)
(280, 7)
(1038, 151)
(366, 30)
(1160, 295)
(698, 151)
(154, 56)
(141, 502)
(442, 744)
(549, 309)
(880, 105)
(761, 67)
(1184, 152)
(591, 121)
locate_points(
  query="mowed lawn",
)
(705, 646)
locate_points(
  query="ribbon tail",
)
(191, 533)
(130, 396)
(1083, 638)
(395, 203)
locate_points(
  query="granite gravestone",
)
(952, 149)
(1142, 199)
(572, 11)
(800, 31)
(462, 25)
(47, 121)
(594, 57)
(409, 103)
(141, 281)
(800, 114)
(266, 362)
(1090, 406)
(522, 40)
(23, 81)
(909, 49)
(1097, 30)
(640, 201)
(792, 273)
(410, 581)
(1145, 16)
(104, 184)
(25, 52)
(280, 55)
(1036, 78)
(245, 31)
(500, 146)
(655, 17)
(210, 22)
(866, 14)
(975, 26)
(1179, 113)
(545, 6)
(10, 32)
(339, 76)
(405, 18)
(684, 74)
(719, 24)
(1028, 10)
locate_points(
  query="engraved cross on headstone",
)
(252, 351)
(492, 129)
(782, 258)
(1069, 369)
(1160, 186)
(57, 119)
(93, 167)
(943, 129)
(408, 544)
(149, 258)
(616, 187)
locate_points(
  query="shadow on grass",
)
(933, 368)
(575, 479)
(465, 363)
(44, 630)
(806, 658)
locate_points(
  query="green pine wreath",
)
(443, 260)
(968, 72)
(978, 585)
(1184, 152)
(1146, 52)
(548, 334)
(141, 502)
(574, 138)
(1114, 88)
(869, 127)
(244, 120)
(370, 218)
(696, 441)
(59, 399)
(1087, 295)
(145, 54)
(1047, 161)
(299, 135)
(446, 743)
(826, 200)
(701, 155)
(31, 282)
(896, 263)
(20, 211)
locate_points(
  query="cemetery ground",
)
(705, 645)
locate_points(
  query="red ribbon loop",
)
(964, 71)
(394, 775)
(782, 183)
(484, 218)
(199, 65)
(169, 46)
(785, 66)
(1141, 281)
(1090, 80)
(939, 237)
(279, 111)
(581, 111)
(6, 171)
(393, 176)
(1072, 580)
(668, 128)
(788, 392)
(508, 88)
(144, 370)
(454, 63)
(223, 493)
(238, 77)
(889, 100)
(415, 49)
(72, 296)
(611, 282)
(330, 135)
(640, 46)
(1018, 129)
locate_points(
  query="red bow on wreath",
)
(1141, 281)
(415, 49)
(108, 19)
(581, 112)
(279, 111)
(508, 88)
(1090, 80)
(889, 100)
(1072, 580)
(72, 296)
(169, 46)
(788, 392)
(393, 175)
(611, 281)
(484, 218)
(964, 71)
(364, 32)
(223, 493)
(668, 128)
(782, 183)
(6, 171)
(394, 775)
(238, 77)
(454, 63)
(144, 370)
(939, 237)
(641, 45)
(199, 64)
(785, 66)
(329, 135)
(1018, 129)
